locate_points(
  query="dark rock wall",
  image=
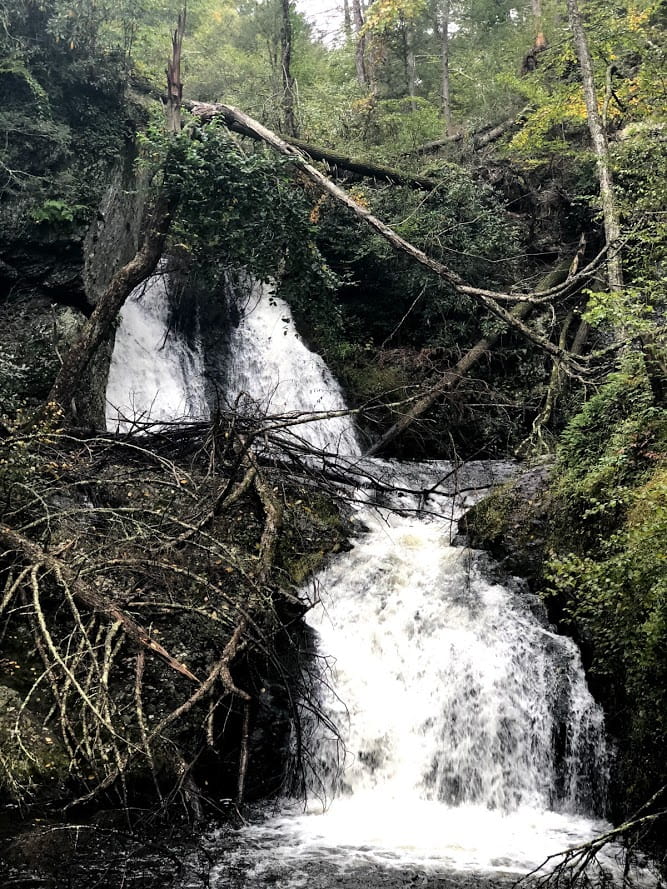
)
(49, 284)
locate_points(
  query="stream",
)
(451, 739)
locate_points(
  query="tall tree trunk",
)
(289, 122)
(347, 19)
(610, 213)
(360, 52)
(174, 82)
(444, 55)
(410, 64)
(540, 41)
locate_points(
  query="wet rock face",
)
(50, 282)
(44, 267)
(512, 524)
(113, 236)
(34, 333)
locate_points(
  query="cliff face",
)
(52, 273)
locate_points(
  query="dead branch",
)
(89, 595)
(488, 299)
(478, 140)
(447, 383)
(174, 83)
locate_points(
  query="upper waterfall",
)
(154, 377)
(273, 373)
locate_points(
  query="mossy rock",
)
(512, 524)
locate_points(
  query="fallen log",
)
(489, 299)
(334, 159)
(364, 168)
(453, 376)
(447, 383)
(478, 140)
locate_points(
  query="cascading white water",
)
(155, 377)
(454, 692)
(274, 373)
(471, 740)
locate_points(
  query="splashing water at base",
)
(155, 377)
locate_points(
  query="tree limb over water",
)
(491, 300)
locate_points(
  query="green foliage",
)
(241, 208)
(388, 298)
(62, 113)
(59, 214)
(609, 571)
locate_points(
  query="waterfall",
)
(469, 738)
(272, 372)
(457, 731)
(448, 688)
(155, 377)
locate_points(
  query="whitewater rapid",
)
(455, 731)
(466, 736)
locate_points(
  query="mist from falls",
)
(456, 729)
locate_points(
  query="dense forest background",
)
(514, 144)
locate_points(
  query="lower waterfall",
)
(456, 733)
(468, 739)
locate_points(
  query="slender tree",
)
(360, 52)
(410, 63)
(443, 25)
(610, 212)
(347, 19)
(289, 117)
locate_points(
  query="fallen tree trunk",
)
(364, 168)
(478, 140)
(454, 375)
(447, 383)
(333, 159)
(232, 117)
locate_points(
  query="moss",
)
(606, 570)
(488, 521)
(313, 527)
(511, 523)
(592, 540)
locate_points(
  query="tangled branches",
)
(140, 573)
(608, 859)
